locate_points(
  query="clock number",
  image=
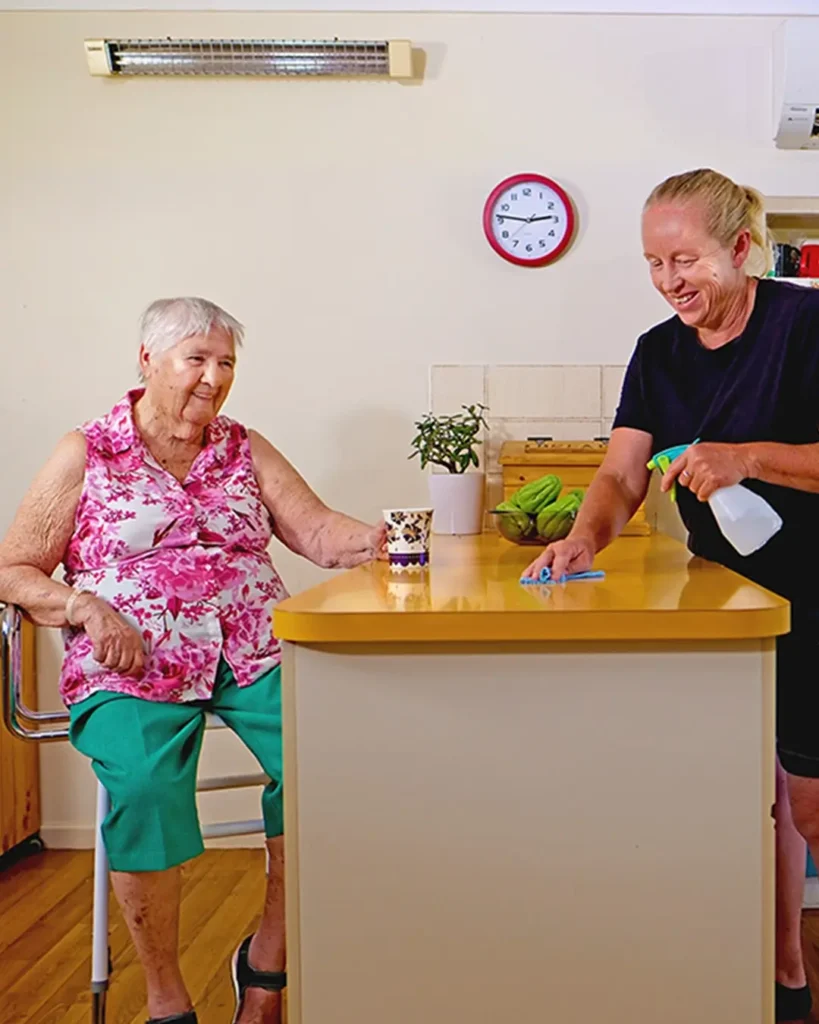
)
(542, 244)
(505, 206)
(514, 196)
(552, 233)
(500, 217)
(541, 195)
(550, 206)
(516, 242)
(504, 234)
(527, 191)
(529, 248)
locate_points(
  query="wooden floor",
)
(45, 938)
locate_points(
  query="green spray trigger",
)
(662, 460)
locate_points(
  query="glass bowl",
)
(511, 525)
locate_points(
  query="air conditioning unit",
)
(796, 84)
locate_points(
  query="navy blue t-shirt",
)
(762, 386)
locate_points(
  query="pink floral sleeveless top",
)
(185, 564)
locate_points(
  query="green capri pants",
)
(146, 755)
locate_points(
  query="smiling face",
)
(698, 276)
(190, 382)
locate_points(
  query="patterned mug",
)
(408, 534)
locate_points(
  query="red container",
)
(809, 260)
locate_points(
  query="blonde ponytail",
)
(760, 260)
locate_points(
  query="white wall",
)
(342, 222)
(782, 8)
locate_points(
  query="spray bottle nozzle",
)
(662, 460)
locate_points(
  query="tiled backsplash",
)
(544, 392)
(563, 402)
(568, 403)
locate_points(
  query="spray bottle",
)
(746, 520)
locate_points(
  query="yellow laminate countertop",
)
(654, 589)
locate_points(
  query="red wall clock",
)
(529, 220)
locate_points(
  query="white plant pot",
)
(457, 499)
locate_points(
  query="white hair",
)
(166, 322)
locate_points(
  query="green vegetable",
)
(513, 524)
(538, 494)
(555, 521)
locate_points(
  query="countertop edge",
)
(530, 627)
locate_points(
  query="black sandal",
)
(792, 1004)
(244, 976)
(177, 1018)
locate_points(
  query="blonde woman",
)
(737, 365)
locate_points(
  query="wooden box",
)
(575, 462)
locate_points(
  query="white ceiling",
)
(783, 8)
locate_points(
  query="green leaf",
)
(450, 441)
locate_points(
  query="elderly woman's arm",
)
(42, 528)
(35, 546)
(301, 519)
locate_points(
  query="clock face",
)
(528, 219)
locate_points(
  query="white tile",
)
(612, 382)
(454, 386)
(520, 430)
(494, 494)
(550, 392)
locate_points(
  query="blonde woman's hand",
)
(574, 554)
(705, 468)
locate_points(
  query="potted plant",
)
(451, 442)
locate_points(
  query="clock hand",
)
(526, 220)
(531, 220)
(516, 232)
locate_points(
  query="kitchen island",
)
(531, 804)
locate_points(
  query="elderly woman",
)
(162, 512)
(737, 365)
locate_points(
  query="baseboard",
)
(81, 837)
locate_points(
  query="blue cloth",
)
(546, 576)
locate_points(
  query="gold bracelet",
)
(69, 604)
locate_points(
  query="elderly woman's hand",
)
(378, 539)
(117, 645)
(704, 468)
